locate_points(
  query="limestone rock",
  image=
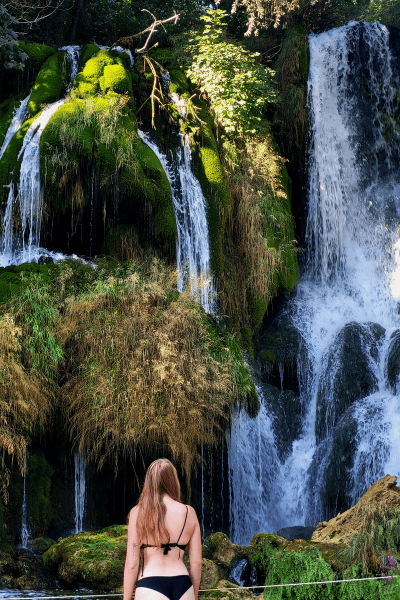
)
(339, 530)
(228, 591)
(210, 574)
(223, 551)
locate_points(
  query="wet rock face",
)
(393, 363)
(280, 350)
(335, 495)
(287, 410)
(348, 376)
(297, 532)
(283, 356)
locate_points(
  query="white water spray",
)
(351, 280)
(193, 252)
(73, 54)
(29, 198)
(16, 122)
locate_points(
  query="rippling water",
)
(66, 594)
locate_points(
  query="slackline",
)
(237, 589)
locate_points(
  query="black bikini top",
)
(167, 547)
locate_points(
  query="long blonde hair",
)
(161, 478)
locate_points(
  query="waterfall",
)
(72, 54)
(346, 308)
(25, 534)
(80, 490)
(16, 122)
(28, 198)
(349, 288)
(193, 251)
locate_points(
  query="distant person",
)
(160, 527)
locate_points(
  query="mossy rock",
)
(208, 169)
(49, 85)
(117, 79)
(88, 51)
(41, 545)
(37, 53)
(7, 109)
(87, 83)
(223, 551)
(211, 573)
(94, 559)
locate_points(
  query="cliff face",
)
(104, 192)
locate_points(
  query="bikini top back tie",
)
(167, 547)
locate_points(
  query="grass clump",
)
(141, 369)
(23, 401)
(259, 244)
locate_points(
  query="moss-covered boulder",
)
(106, 175)
(223, 551)
(94, 559)
(115, 78)
(50, 83)
(41, 545)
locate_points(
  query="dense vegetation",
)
(126, 361)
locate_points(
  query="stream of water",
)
(349, 290)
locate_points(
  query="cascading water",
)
(72, 54)
(25, 534)
(29, 198)
(346, 306)
(16, 122)
(193, 252)
(80, 490)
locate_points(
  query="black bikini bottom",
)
(172, 587)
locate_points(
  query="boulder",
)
(210, 574)
(223, 551)
(94, 559)
(280, 350)
(339, 530)
(348, 376)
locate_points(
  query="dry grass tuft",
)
(259, 230)
(22, 402)
(144, 369)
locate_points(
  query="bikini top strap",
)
(177, 542)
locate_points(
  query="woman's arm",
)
(131, 569)
(195, 554)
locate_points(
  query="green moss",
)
(106, 70)
(38, 485)
(7, 109)
(10, 164)
(49, 85)
(208, 169)
(116, 78)
(94, 559)
(87, 52)
(38, 53)
(179, 82)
